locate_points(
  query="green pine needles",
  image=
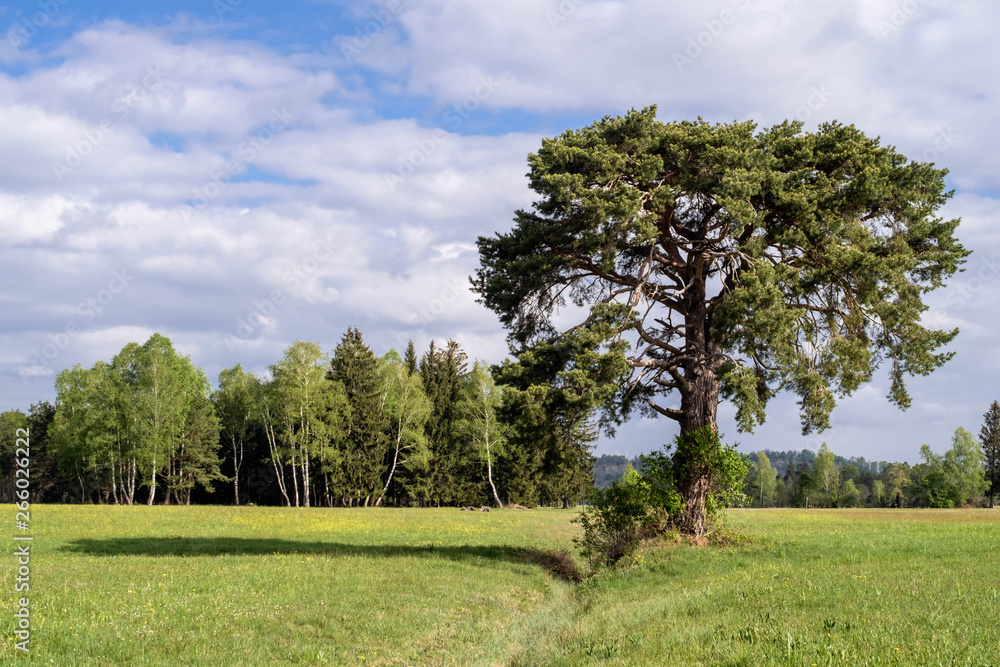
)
(723, 262)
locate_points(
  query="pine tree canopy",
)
(719, 261)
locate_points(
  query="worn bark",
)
(700, 410)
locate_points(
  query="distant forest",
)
(609, 468)
(966, 474)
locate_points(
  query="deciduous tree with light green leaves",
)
(849, 495)
(726, 262)
(479, 410)
(145, 415)
(878, 493)
(311, 412)
(235, 404)
(956, 477)
(764, 478)
(897, 478)
(826, 472)
(964, 467)
(407, 410)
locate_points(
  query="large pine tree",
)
(722, 262)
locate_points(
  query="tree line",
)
(346, 429)
(966, 474)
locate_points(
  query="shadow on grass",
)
(239, 546)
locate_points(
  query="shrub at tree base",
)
(642, 506)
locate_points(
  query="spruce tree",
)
(449, 481)
(990, 437)
(364, 443)
(551, 423)
(197, 454)
(410, 359)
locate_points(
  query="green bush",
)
(618, 517)
(643, 505)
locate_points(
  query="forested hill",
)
(609, 468)
(783, 460)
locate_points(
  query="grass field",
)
(276, 586)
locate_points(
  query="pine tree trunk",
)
(699, 405)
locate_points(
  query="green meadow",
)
(278, 586)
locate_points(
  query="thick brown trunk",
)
(699, 405)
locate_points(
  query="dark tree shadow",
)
(239, 546)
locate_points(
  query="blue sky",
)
(241, 175)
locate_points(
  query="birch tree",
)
(407, 410)
(310, 409)
(479, 409)
(235, 402)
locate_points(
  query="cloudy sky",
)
(238, 174)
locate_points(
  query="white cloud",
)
(354, 213)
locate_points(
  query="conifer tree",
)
(410, 359)
(363, 441)
(990, 437)
(197, 453)
(721, 262)
(443, 372)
